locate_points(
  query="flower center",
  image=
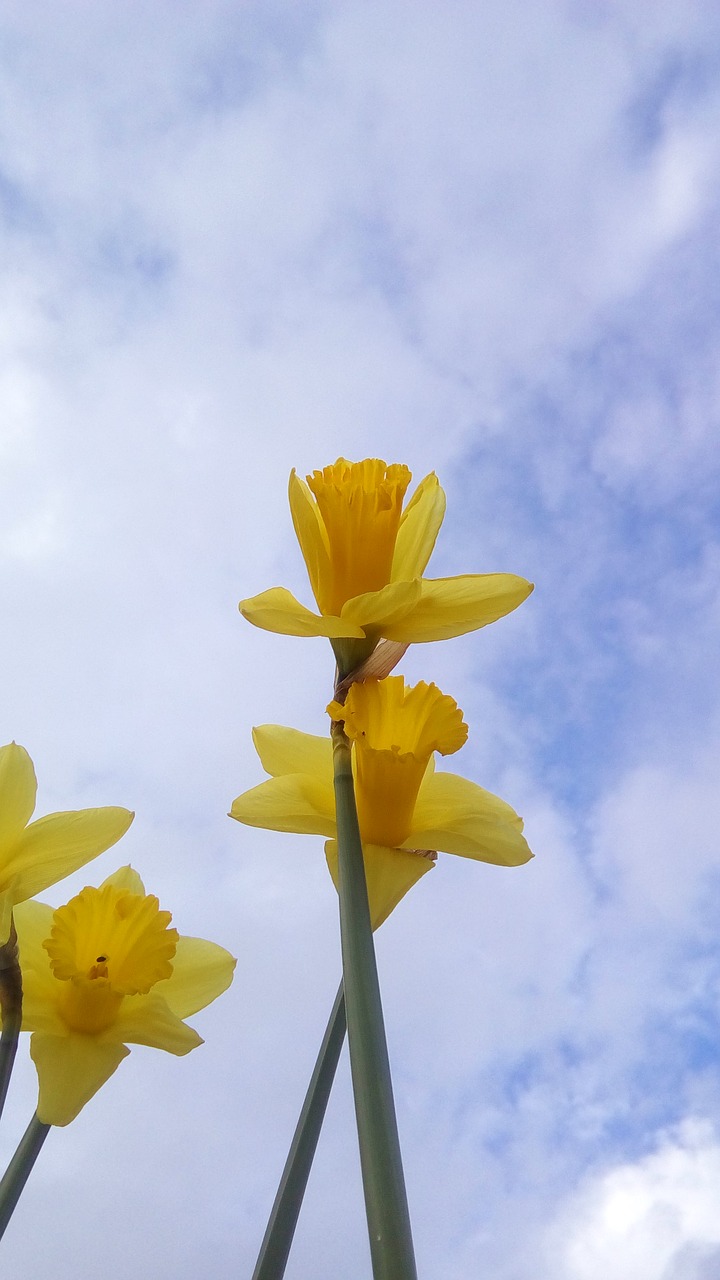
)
(394, 731)
(360, 504)
(106, 944)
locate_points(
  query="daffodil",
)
(34, 857)
(366, 557)
(407, 811)
(102, 972)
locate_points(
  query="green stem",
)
(386, 1206)
(350, 654)
(11, 1006)
(278, 1237)
(18, 1170)
(8, 1049)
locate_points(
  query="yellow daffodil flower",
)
(406, 810)
(102, 972)
(366, 556)
(34, 857)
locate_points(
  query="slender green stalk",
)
(8, 1049)
(11, 1007)
(351, 654)
(386, 1206)
(19, 1168)
(278, 1238)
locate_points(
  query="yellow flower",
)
(366, 556)
(104, 971)
(407, 811)
(36, 856)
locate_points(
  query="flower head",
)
(365, 557)
(103, 971)
(406, 810)
(32, 857)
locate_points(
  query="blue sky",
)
(480, 240)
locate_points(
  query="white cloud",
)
(657, 824)
(653, 1219)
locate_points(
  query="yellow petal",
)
(148, 1020)
(296, 803)
(7, 902)
(125, 878)
(53, 847)
(379, 609)
(41, 991)
(444, 797)
(310, 533)
(33, 922)
(277, 610)
(484, 841)
(201, 972)
(18, 788)
(456, 816)
(389, 873)
(418, 530)
(283, 750)
(453, 606)
(40, 1010)
(70, 1070)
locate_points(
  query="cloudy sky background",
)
(480, 239)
